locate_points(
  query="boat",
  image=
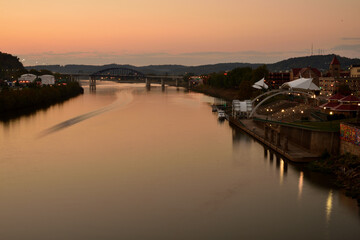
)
(221, 114)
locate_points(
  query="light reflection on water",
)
(155, 165)
(329, 205)
(301, 184)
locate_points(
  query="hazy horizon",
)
(177, 32)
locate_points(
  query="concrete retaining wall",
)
(314, 141)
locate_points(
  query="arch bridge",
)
(126, 73)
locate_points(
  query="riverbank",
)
(16, 102)
(226, 94)
(346, 169)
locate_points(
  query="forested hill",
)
(10, 66)
(319, 61)
(8, 61)
(151, 69)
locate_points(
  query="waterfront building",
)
(27, 78)
(339, 104)
(47, 80)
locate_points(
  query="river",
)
(127, 163)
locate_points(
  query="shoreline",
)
(345, 169)
(18, 103)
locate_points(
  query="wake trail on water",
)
(121, 102)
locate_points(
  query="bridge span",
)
(127, 75)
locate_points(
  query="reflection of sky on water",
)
(155, 162)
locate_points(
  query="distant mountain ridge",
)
(320, 62)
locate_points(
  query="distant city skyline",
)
(177, 32)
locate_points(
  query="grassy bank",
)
(13, 101)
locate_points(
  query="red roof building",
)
(336, 97)
(335, 61)
(346, 108)
(350, 99)
(338, 104)
(335, 68)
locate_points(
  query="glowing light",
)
(331, 113)
(329, 205)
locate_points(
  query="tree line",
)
(235, 77)
(36, 97)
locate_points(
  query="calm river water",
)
(127, 163)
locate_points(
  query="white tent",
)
(47, 79)
(27, 78)
(260, 84)
(302, 84)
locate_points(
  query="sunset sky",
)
(189, 32)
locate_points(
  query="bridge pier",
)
(148, 84)
(162, 84)
(92, 84)
(271, 156)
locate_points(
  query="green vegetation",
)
(10, 67)
(346, 168)
(238, 78)
(16, 101)
(12, 100)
